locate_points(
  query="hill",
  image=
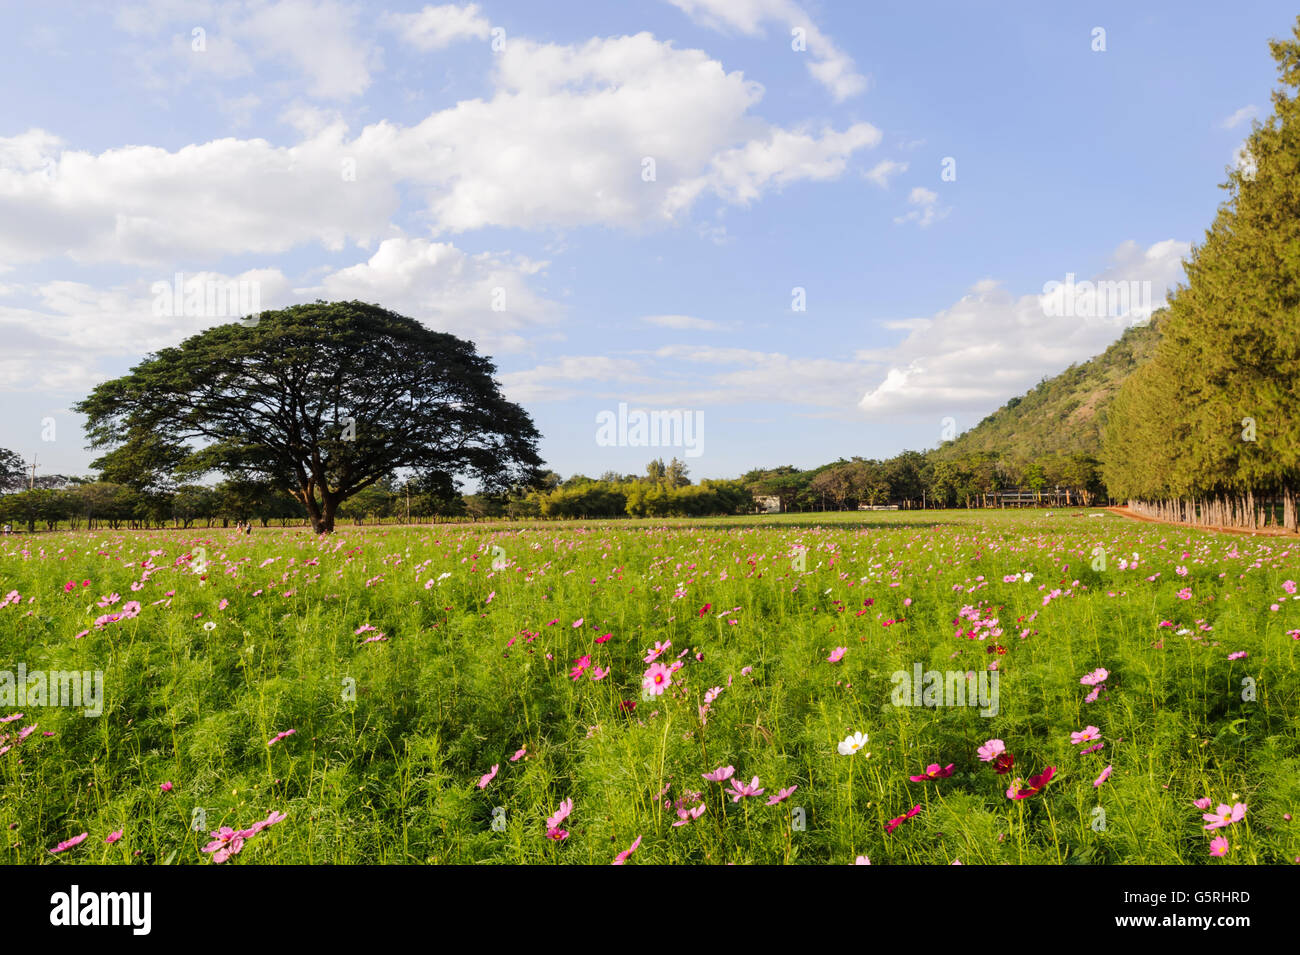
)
(1060, 416)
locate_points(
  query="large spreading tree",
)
(323, 400)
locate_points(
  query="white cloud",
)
(561, 379)
(1240, 116)
(562, 143)
(927, 211)
(968, 359)
(321, 42)
(48, 338)
(881, 172)
(435, 28)
(685, 323)
(485, 297)
(829, 65)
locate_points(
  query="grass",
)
(392, 736)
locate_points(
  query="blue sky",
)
(499, 155)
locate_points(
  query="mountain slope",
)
(1061, 415)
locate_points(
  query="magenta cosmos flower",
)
(837, 655)
(933, 771)
(685, 816)
(895, 823)
(1219, 846)
(69, 843)
(622, 856)
(113, 837)
(781, 796)
(561, 814)
(740, 791)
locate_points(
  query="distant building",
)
(767, 503)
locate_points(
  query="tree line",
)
(1208, 427)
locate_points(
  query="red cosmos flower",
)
(1036, 783)
(705, 609)
(627, 706)
(1003, 762)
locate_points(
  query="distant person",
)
(8, 528)
(248, 528)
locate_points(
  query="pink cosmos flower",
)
(166, 787)
(659, 648)
(113, 837)
(657, 679)
(227, 843)
(862, 860)
(1097, 676)
(580, 667)
(686, 816)
(1219, 846)
(837, 655)
(69, 843)
(1105, 775)
(279, 736)
(990, 750)
(1088, 734)
(1225, 815)
(519, 754)
(933, 771)
(488, 776)
(1238, 655)
(781, 796)
(621, 858)
(740, 791)
(577, 623)
(599, 673)
(561, 814)
(720, 774)
(1203, 803)
(557, 835)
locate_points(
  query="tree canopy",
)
(322, 400)
(1213, 412)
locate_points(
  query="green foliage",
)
(1213, 412)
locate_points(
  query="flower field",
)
(908, 688)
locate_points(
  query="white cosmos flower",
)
(851, 744)
(1028, 577)
(209, 626)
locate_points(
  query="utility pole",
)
(31, 484)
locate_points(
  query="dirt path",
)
(1123, 511)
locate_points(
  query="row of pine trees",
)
(1210, 425)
